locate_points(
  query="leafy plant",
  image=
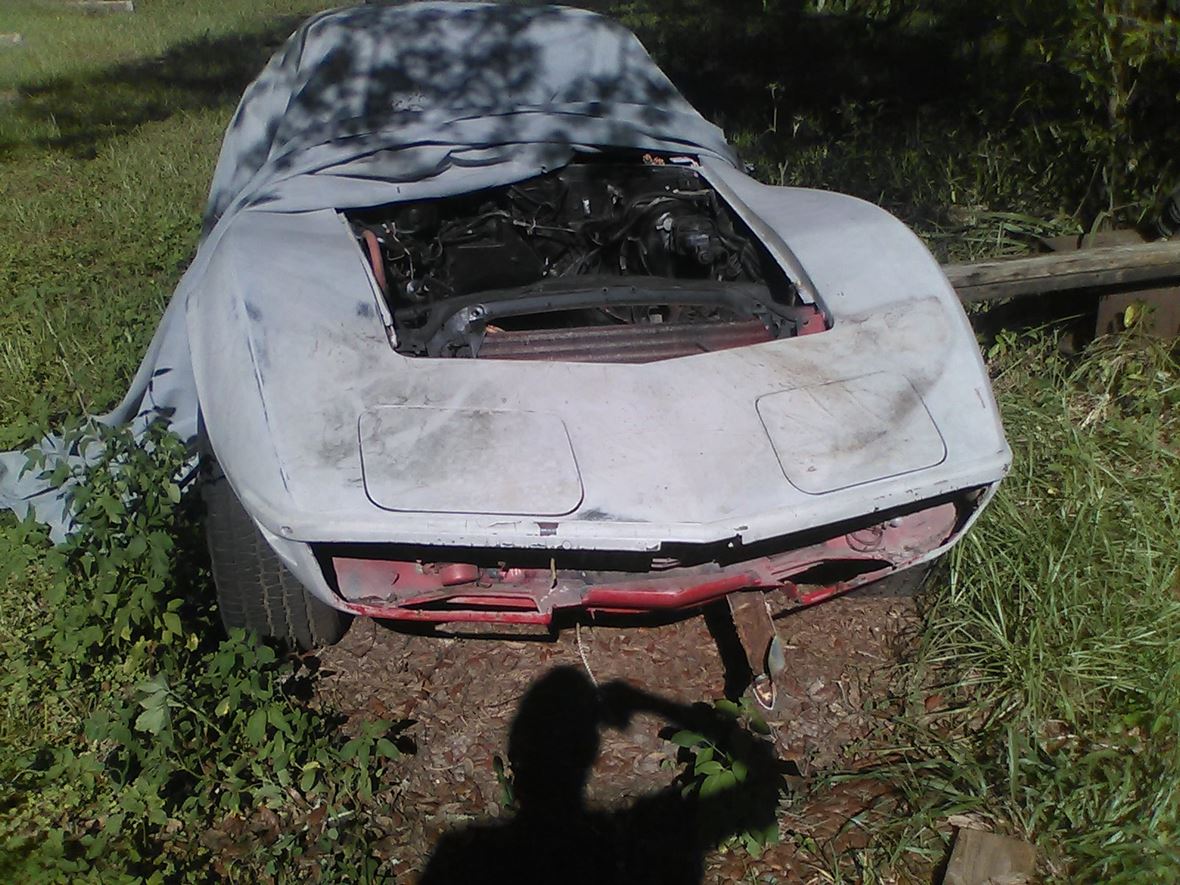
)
(718, 767)
(175, 747)
(505, 780)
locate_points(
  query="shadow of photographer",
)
(555, 836)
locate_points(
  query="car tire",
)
(254, 589)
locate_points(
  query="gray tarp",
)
(377, 104)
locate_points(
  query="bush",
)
(165, 748)
(1046, 108)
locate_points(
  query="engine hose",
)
(374, 247)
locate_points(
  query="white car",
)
(490, 325)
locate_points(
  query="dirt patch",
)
(464, 693)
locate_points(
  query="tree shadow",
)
(87, 109)
(385, 87)
(727, 58)
(724, 57)
(555, 836)
(799, 77)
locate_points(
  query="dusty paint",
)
(662, 453)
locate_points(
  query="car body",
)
(433, 413)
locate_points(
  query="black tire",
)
(254, 588)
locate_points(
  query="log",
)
(1106, 267)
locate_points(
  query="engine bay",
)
(610, 259)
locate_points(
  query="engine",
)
(605, 260)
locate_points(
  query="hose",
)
(378, 264)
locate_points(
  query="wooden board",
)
(980, 857)
(1107, 267)
(1157, 312)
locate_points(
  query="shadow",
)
(555, 837)
(85, 110)
(738, 675)
(713, 52)
(1074, 313)
(375, 91)
(727, 58)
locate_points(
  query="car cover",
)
(378, 104)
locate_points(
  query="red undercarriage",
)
(441, 592)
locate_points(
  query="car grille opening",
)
(513, 585)
(626, 258)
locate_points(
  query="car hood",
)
(329, 435)
(380, 103)
(274, 337)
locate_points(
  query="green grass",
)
(91, 251)
(80, 79)
(60, 42)
(988, 201)
(108, 146)
(1055, 640)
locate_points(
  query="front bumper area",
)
(448, 585)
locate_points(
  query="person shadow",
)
(555, 837)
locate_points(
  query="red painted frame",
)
(445, 592)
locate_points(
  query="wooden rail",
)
(1143, 265)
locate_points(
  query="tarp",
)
(379, 104)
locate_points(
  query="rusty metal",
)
(755, 628)
(632, 343)
(376, 262)
(811, 320)
(412, 590)
(455, 573)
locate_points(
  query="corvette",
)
(488, 324)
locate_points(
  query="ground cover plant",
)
(137, 742)
(158, 748)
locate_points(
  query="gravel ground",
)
(463, 695)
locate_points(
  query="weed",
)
(166, 743)
(717, 765)
(505, 781)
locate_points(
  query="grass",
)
(1054, 643)
(989, 201)
(61, 43)
(131, 733)
(108, 148)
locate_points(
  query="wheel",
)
(254, 588)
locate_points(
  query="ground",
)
(462, 695)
